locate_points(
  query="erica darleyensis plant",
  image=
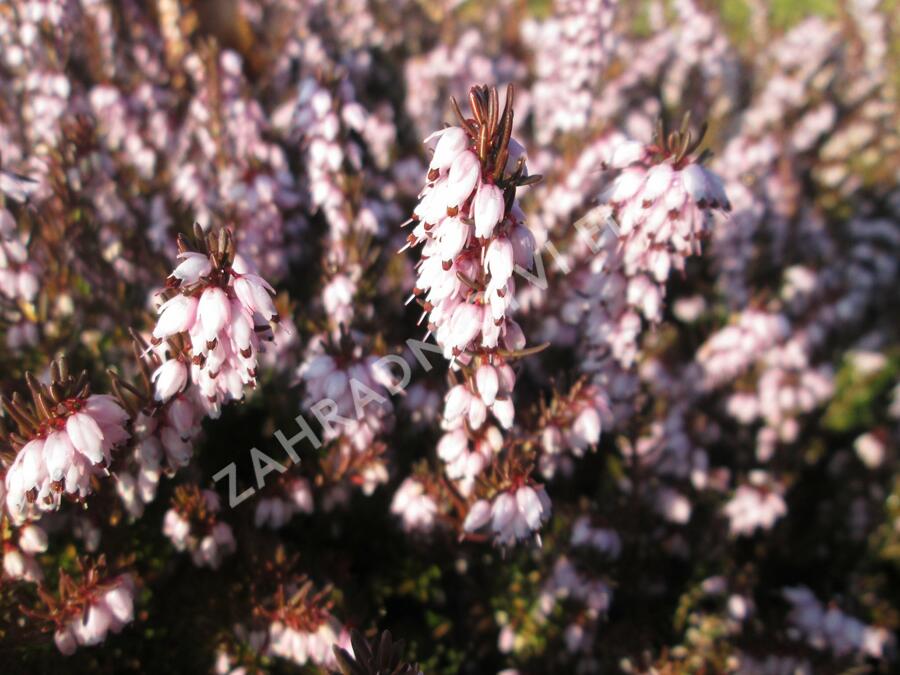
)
(472, 233)
(686, 338)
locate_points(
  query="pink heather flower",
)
(303, 645)
(415, 507)
(225, 309)
(452, 235)
(830, 628)
(451, 143)
(478, 516)
(169, 379)
(487, 382)
(176, 315)
(663, 202)
(462, 179)
(192, 267)
(32, 539)
(467, 457)
(755, 505)
(704, 187)
(524, 246)
(870, 449)
(110, 609)
(514, 514)
(337, 298)
(19, 562)
(18, 274)
(215, 546)
(354, 383)
(499, 260)
(673, 506)
(213, 311)
(177, 529)
(487, 210)
(464, 325)
(191, 525)
(65, 458)
(504, 411)
(462, 405)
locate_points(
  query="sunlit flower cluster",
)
(624, 320)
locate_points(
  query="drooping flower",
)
(67, 436)
(224, 311)
(514, 514)
(301, 627)
(293, 496)
(90, 606)
(663, 201)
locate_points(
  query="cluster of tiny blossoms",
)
(473, 237)
(708, 390)
(66, 437)
(225, 309)
(191, 525)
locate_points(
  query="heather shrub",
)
(401, 337)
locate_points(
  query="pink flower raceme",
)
(473, 236)
(166, 423)
(467, 453)
(756, 504)
(663, 201)
(572, 48)
(827, 627)
(302, 646)
(66, 439)
(348, 387)
(470, 442)
(225, 310)
(572, 424)
(491, 392)
(108, 612)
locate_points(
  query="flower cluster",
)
(513, 514)
(682, 333)
(192, 525)
(89, 606)
(301, 628)
(416, 508)
(66, 437)
(473, 237)
(224, 311)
